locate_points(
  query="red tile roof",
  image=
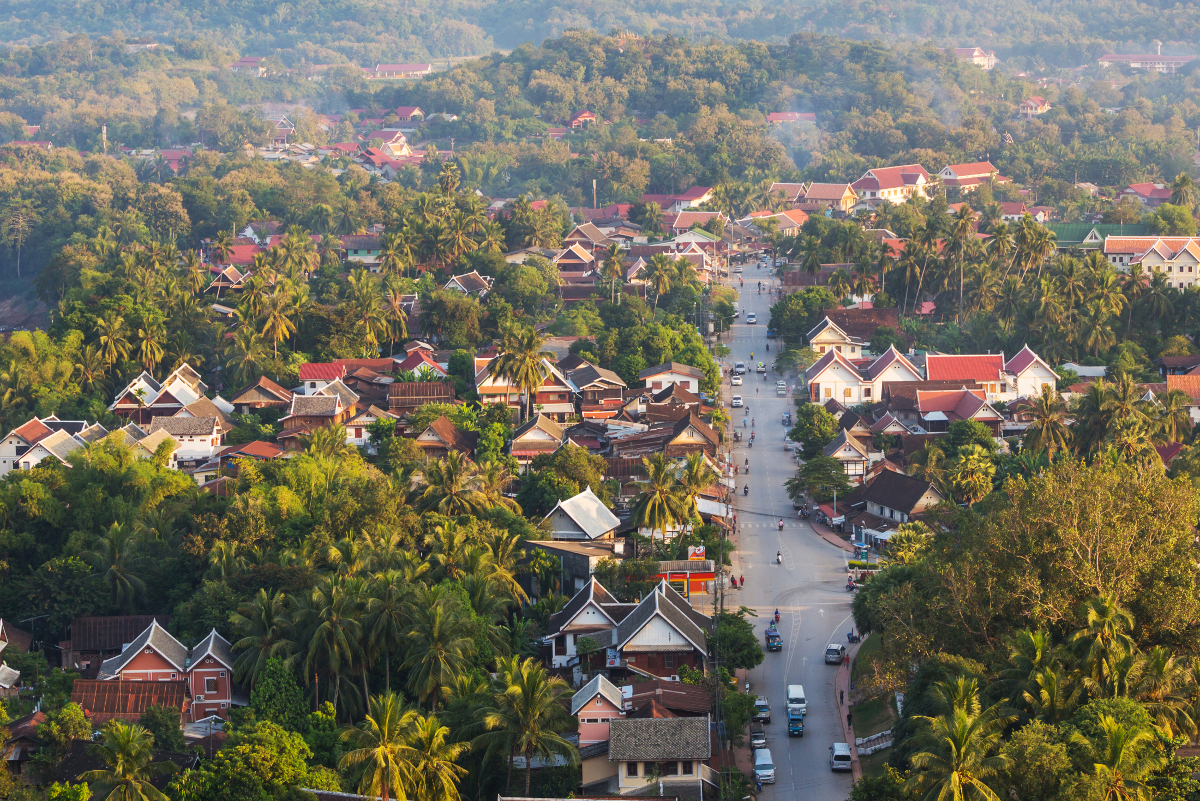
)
(1185, 383)
(32, 431)
(316, 371)
(891, 177)
(978, 367)
(791, 116)
(127, 700)
(258, 448)
(1025, 359)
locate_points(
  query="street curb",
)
(842, 684)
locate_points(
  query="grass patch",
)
(866, 652)
(874, 716)
(873, 764)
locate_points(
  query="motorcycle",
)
(776, 615)
(781, 524)
(746, 490)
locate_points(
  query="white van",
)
(839, 757)
(737, 310)
(795, 699)
(764, 767)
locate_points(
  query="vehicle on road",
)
(781, 388)
(737, 310)
(737, 269)
(760, 367)
(770, 333)
(751, 318)
(795, 698)
(735, 381)
(839, 756)
(795, 724)
(758, 736)
(762, 710)
(764, 766)
(787, 419)
(835, 654)
(774, 643)
(736, 401)
(739, 368)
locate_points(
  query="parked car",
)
(835, 654)
(758, 736)
(839, 756)
(764, 766)
(762, 710)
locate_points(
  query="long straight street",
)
(808, 588)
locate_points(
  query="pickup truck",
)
(795, 724)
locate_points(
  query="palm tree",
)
(613, 270)
(659, 505)
(521, 362)
(1133, 286)
(113, 344)
(265, 633)
(115, 557)
(380, 745)
(277, 321)
(929, 464)
(1104, 639)
(529, 712)
(1184, 192)
(971, 473)
(90, 368)
(839, 283)
(695, 477)
(1163, 683)
(1174, 422)
(127, 752)
(435, 775)
(447, 486)
(1124, 762)
(811, 252)
(246, 355)
(953, 763)
(1048, 431)
(330, 615)
(658, 276)
(439, 642)
(492, 480)
(1053, 694)
(385, 623)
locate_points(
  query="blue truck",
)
(795, 723)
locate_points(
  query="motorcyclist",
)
(746, 490)
(768, 346)
(781, 524)
(752, 422)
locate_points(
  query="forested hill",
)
(1055, 32)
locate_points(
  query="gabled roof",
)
(888, 359)
(976, 367)
(61, 444)
(674, 391)
(1025, 359)
(597, 686)
(831, 357)
(818, 191)
(155, 637)
(543, 423)
(658, 603)
(658, 739)
(891, 177)
(842, 440)
(693, 421)
(8, 677)
(454, 438)
(315, 405)
(673, 695)
(255, 450)
(959, 404)
(588, 373)
(1189, 384)
(897, 491)
(321, 372)
(268, 387)
(32, 431)
(150, 442)
(883, 422)
(592, 592)
(589, 513)
(671, 367)
(471, 282)
(186, 426)
(348, 396)
(213, 645)
(203, 407)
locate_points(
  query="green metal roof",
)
(1073, 234)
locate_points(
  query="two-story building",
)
(145, 398)
(601, 391)
(850, 382)
(198, 437)
(938, 410)
(664, 375)
(895, 184)
(653, 637)
(315, 376)
(1022, 376)
(889, 500)
(669, 751)
(1176, 256)
(537, 436)
(968, 177)
(262, 394)
(305, 414)
(597, 702)
(154, 655)
(582, 517)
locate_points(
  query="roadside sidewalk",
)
(831, 536)
(841, 690)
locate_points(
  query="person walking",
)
(842, 698)
(849, 720)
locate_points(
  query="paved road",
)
(808, 588)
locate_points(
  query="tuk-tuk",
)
(787, 418)
(774, 643)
